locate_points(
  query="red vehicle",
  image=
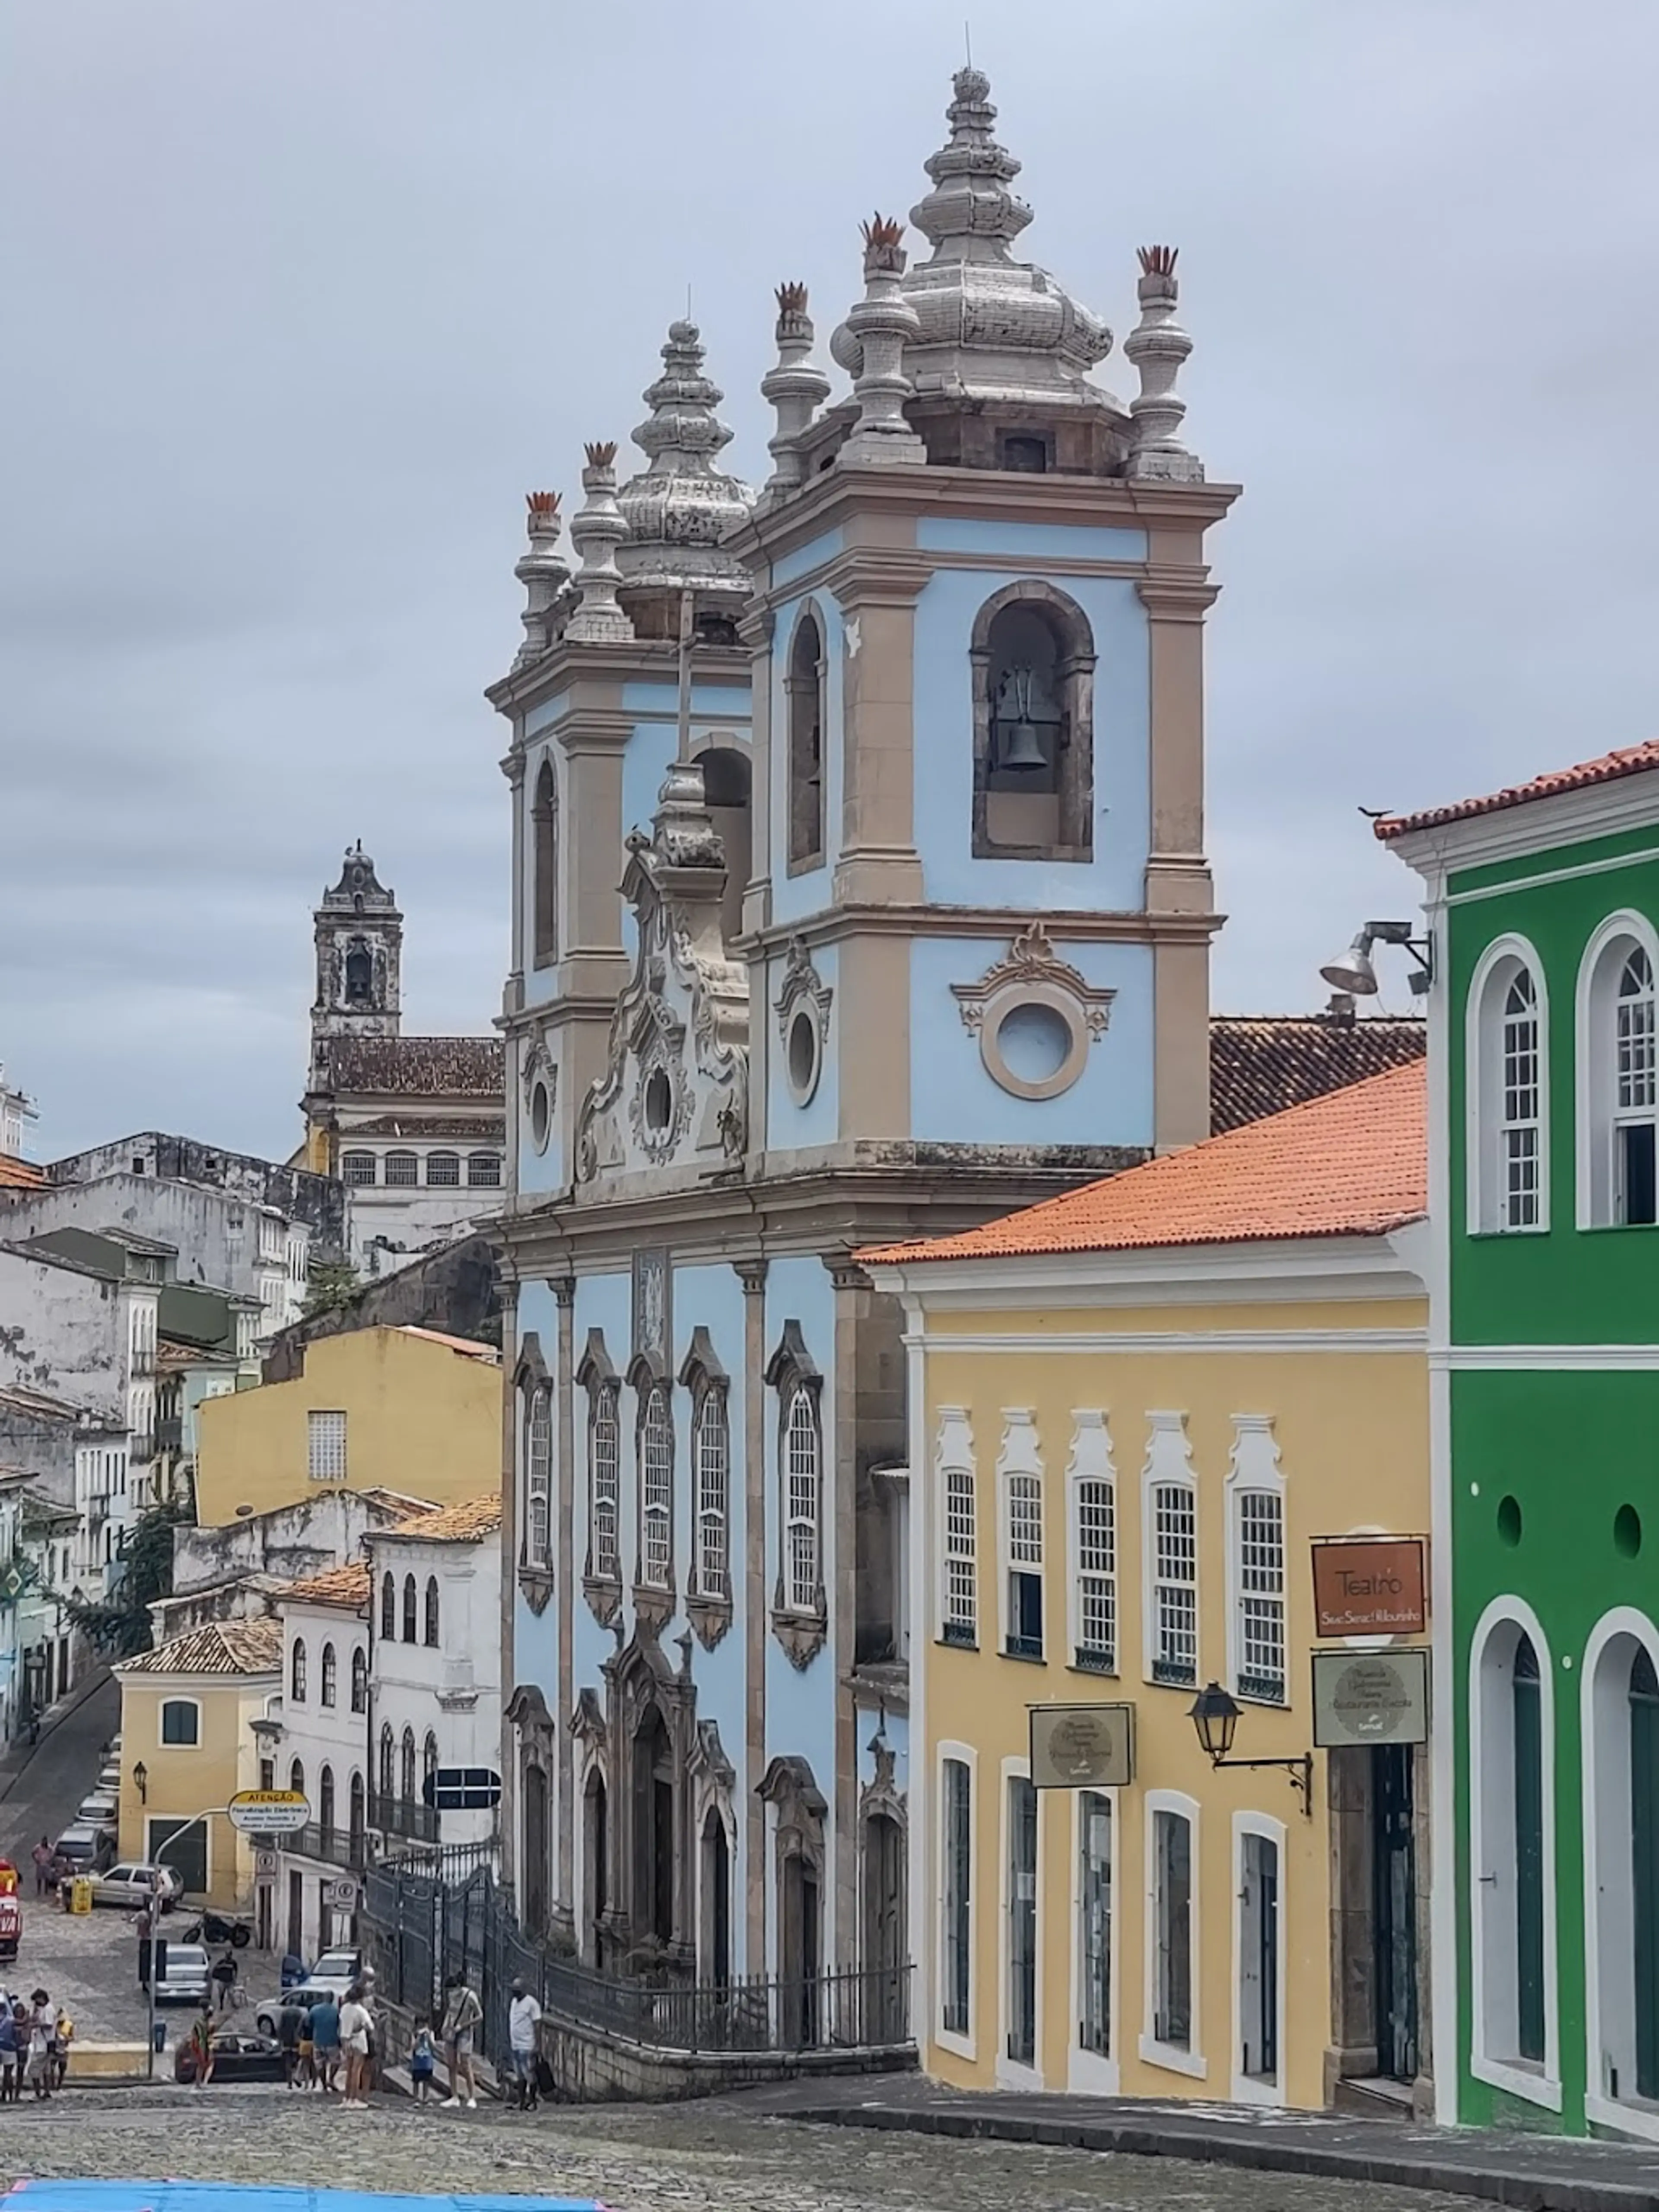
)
(11, 1924)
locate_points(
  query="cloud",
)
(303, 299)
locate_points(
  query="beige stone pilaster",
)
(755, 1614)
(563, 1505)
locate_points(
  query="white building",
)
(315, 1738)
(16, 1113)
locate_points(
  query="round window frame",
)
(804, 1092)
(541, 1121)
(1014, 998)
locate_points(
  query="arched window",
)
(181, 1722)
(388, 1607)
(429, 1626)
(539, 1477)
(1617, 1076)
(296, 1777)
(412, 1631)
(296, 1679)
(331, 1674)
(360, 1680)
(443, 1170)
(604, 1463)
(1511, 1852)
(711, 1455)
(1032, 658)
(357, 1168)
(1508, 1078)
(402, 1169)
(407, 1764)
(326, 1798)
(656, 1459)
(803, 1583)
(483, 1171)
(544, 829)
(727, 784)
(356, 1817)
(359, 973)
(388, 1760)
(804, 688)
(429, 1757)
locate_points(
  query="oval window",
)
(541, 1117)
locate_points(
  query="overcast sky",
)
(300, 301)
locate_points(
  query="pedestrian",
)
(41, 2019)
(145, 1924)
(200, 2045)
(326, 2042)
(8, 2055)
(354, 2025)
(63, 2036)
(524, 2016)
(307, 2068)
(462, 2013)
(19, 2028)
(423, 2062)
(42, 1856)
(290, 2030)
(224, 1978)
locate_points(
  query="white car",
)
(134, 1883)
(335, 1970)
(186, 1977)
(97, 1811)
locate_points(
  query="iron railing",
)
(336, 1846)
(402, 1816)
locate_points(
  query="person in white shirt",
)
(356, 2023)
(523, 2016)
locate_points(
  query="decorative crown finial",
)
(880, 326)
(595, 531)
(791, 299)
(1158, 260)
(542, 573)
(543, 505)
(601, 455)
(882, 234)
(1157, 346)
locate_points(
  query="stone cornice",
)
(646, 659)
(1177, 594)
(1077, 926)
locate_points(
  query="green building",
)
(1542, 902)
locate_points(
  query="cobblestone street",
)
(705, 2158)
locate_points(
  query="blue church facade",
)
(898, 765)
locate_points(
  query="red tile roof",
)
(347, 1586)
(468, 1522)
(1354, 1163)
(20, 1174)
(1607, 768)
(1262, 1063)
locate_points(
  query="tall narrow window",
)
(726, 785)
(656, 1460)
(711, 1455)
(1617, 1060)
(429, 1616)
(1259, 1908)
(802, 1577)
(1174, 1583)
(544, 826)
(539, 1477)
(1094, 1926)
(1529, 1901)
(1094, 1541)
(1025, 1514)
(1259, 1537)
(429, 1758)
(1645, 1866)
(959, 1624)
(1172, 1930)
(410, 1616)
(1033, 659)
(325, 1438)
(956, 1891)
(388, 1760)
(1634, 1107)
(325, 1799)
(331, 1674)
(804, 685)
(1022, 1923)
(388, 1607)
(604, 1465)
(406, 1767)
(1520, 1130)
(296, 1679)
(360, 1680)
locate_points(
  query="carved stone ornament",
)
(587, 1719)
(536, 1587)
(802, 1008)
(537, 1067)
(1059, 1014)
(710, 1618)
(604, 1595)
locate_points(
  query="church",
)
(859, 891)
(414, 1126)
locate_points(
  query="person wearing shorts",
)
(9, 2056)
(42, 2020)
(326, 2037)
(462, 2013)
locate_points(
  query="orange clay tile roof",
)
(347, 1586)
(466, 1524)
(20, 1174)
(1607, 768)
(223, 1647)
(1354, 1163)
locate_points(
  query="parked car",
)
(303, 1993)
(185, 1977)
(133, 1882)
(335, 1970)
(78, 1844)
(235, 2059)
(97, 1811)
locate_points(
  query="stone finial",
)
(543, 573)
(596, 532)
(879, 326)
(970, 215)
(795, 388)
(1157, 346)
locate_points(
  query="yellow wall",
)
(420, 1419)
(1351, 1432)
(180, 1781)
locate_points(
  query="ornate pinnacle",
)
(541, 503)
(1157, 346)
(881, 325)
(792, 300)
(795, 388)
(883, 237)
(542, 573)
(970, 213)
(600, 456)
(596, 532)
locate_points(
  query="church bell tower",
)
(360, 942)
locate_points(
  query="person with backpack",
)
(423, 2062)
(462, 2013)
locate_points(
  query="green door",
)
(1529, 1852)
(1644, 1833)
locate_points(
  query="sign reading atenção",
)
(1369, 1586)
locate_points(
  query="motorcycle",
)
(214, 1928)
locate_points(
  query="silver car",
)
(133, 1882)
(185, 1977)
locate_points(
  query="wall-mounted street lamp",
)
(141, 1781)
(1215, 1717)
(1354, 972)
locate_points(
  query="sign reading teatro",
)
(1369, 1586)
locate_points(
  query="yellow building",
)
(400, 1409)
(1135, 1412)
(188, 1746)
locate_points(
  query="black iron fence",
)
(423, 1930)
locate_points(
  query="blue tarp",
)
(211, 2195)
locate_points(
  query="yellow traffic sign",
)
(268, 1812)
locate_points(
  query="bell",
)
(1020, 749)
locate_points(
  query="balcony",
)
(170, 1435)
(399, 1816)
(334, 1847)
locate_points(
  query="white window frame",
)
(1094, 2073)
(1013, 2073)
(1153, 2048)
(958, 1551)
(1021, 1507)
(1493, 1994)
(1607, 1844)
(1168, 1464)
(604, 1410)
(538, 1475)
(1092, 1464)
(194, 1704)
(962, 2045)
(802, 1503)
(1258, 2088)
(1486, 1194)
(656, 1487)
(711, 1475)
(325, 1446)
(1596, 1077)
(1253, 1471)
